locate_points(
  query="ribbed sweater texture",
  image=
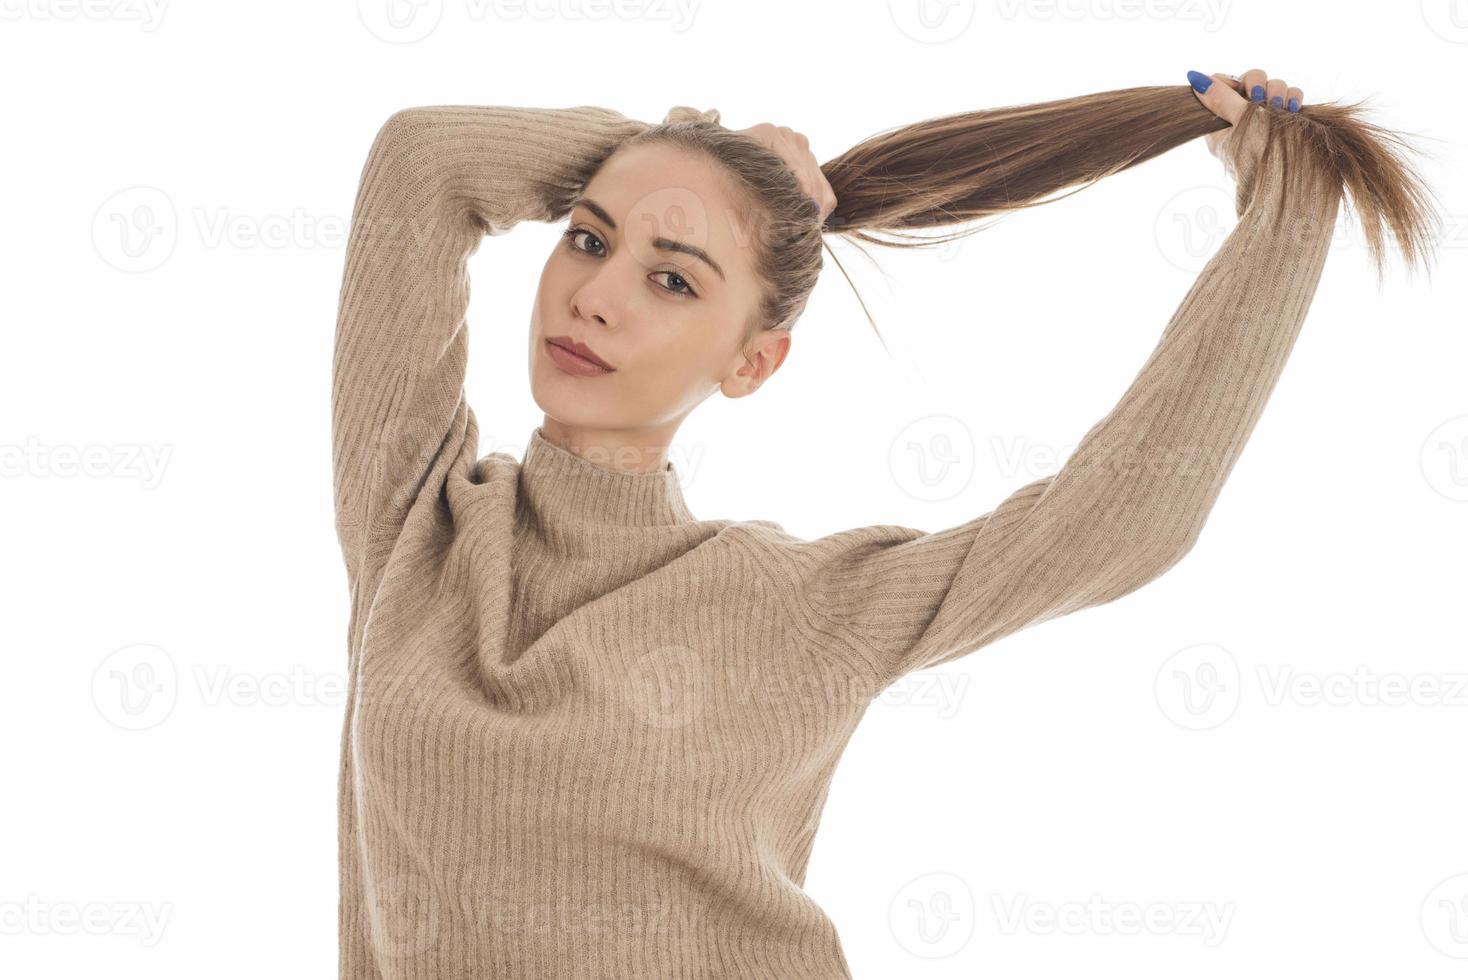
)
(589, 734)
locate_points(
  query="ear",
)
(758, 363)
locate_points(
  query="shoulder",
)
(804, 581)
(769, 541)
(786, 564)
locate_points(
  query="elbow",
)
(1140, 562)
(1172, 556)
(399, 144)
(403, 124)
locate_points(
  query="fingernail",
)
(1199, 81)
(1257, 93)
(1277, 101)
(1294, 105)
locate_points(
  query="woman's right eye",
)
(570, 236)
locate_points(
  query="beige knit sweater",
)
(589, 734)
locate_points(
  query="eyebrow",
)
(661, 244)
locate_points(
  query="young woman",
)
(590, 734)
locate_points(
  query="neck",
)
(642, 450)
(564, 488)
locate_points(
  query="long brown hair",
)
(962, 169)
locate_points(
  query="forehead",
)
(656, 190)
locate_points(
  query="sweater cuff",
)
(1244, 147)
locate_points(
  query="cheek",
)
(553, 290)
(692, 353)
(551, 276)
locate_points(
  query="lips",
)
(580, 350)
(566, 355)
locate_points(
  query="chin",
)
(566, 398)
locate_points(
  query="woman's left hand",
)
(794, 149)
(1227, 98)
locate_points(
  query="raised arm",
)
(1133, 496)
(436, 180)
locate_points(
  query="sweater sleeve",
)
(436, 180)
(1132, 497)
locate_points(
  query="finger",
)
(827, 194)
(1254, 80)
(827, 204)
(1223, 101)
(1294, 98)
(1236, 84)
(1274, 92)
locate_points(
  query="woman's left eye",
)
(687, 289)
(681, 286)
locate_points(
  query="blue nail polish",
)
(1277, 101)
(1199, 81)
(1257, 93)
(1294, 105)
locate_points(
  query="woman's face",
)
(656, 277)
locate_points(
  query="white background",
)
(1000, 816)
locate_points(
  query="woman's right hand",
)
(794, 149)
(1229, 99)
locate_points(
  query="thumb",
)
(1220, 94)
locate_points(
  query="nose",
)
(579, 313)
(601, 296)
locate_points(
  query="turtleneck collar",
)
(562, 486)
